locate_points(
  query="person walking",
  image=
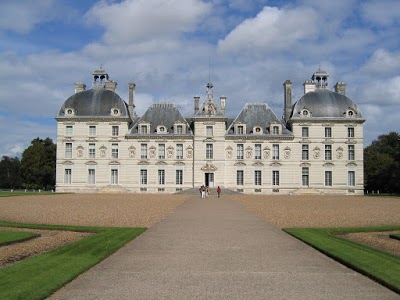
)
(207, 191)
(218, 191)
(203, 191)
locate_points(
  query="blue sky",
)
(165, 47)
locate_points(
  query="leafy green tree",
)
(38, 165)
(382, 164)
(10, 172)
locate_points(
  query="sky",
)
(172, 48)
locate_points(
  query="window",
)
(179, 176)
(328, 132)
(91, 176)
(239, 177)
(350, 132)
(304, 152)
(275, 151)
(275, 129)
(161, 151)
(257, 151)
(114, 150)
(328, 152)
(115, 131)
(143, 177)
(209, 151)
(257, 177)
(68, 130)
(328, 178)
(352, 178)
(68, 150)
(114, 176)
(92, 150)
(304, 176)
(161, 176)
(351, 152)
(143, 129)
(239, 151)
(179, 151)
(179, 129)
(143, 151)
(240, 129)
(304, 132)
(275, 177)
(92, 130)
(209, 131)
(68, 176)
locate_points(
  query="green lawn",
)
(376, 264)
(39, 276)
(10, 237)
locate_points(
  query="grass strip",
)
(18, 193)
(378, 265)
(40, 276)
(11, 237)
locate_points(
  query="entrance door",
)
(209, 179)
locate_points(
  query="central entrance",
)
(209, 179)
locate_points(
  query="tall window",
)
(239, 151)
(91, 176)
(209, 131)
(114, 150)
(143, 177)
(275, 151)
(209, 151)
(114, 176)
(239, 177)
(179, 129)
(92, 150)
(143, 151)
(92, 130)
(304, 132)
(67, 176)
(68, 150)
(179, 177)
(161, 176)
(257, 177)
(275, 129)
(115, 131)
(304, 152)
(68, 130)
(328, 178)
(143, 129)
(240, 129)
(352, 178)
(275, 177)
(351, 152)
(179, 151)
(257, 151)
(328, 132)
(350, 132)
(161, 151)
(304, 176)
(328, 152)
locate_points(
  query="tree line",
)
(37, 167)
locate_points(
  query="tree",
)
(38, 164)
(382, 164)
(10, 173)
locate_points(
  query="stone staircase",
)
(213, 191)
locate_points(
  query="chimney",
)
(340, 88)
(111, 85)
(79, 87)
(131, 106)
(309, 86)
(287, 87)
(223, 104)
(196, 104)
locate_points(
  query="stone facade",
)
(103, 146)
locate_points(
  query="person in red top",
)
(218, 191)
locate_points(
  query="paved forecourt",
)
(215, 249)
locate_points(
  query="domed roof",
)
(323, 103)
(96, 102)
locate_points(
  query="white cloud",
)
(384, 92)
(271, 30)
(140, 20)
(382, 62)
(382, 12)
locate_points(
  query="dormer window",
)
(179, 128)
(115, 112)
(70, 111)
(350, 113)
(240, 128)
(257, 130)
(144, 129)
(161, 129)
(305, 113)
(275, 129)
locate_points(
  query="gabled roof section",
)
(161, 114)
(209, 106)
(257, 115)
